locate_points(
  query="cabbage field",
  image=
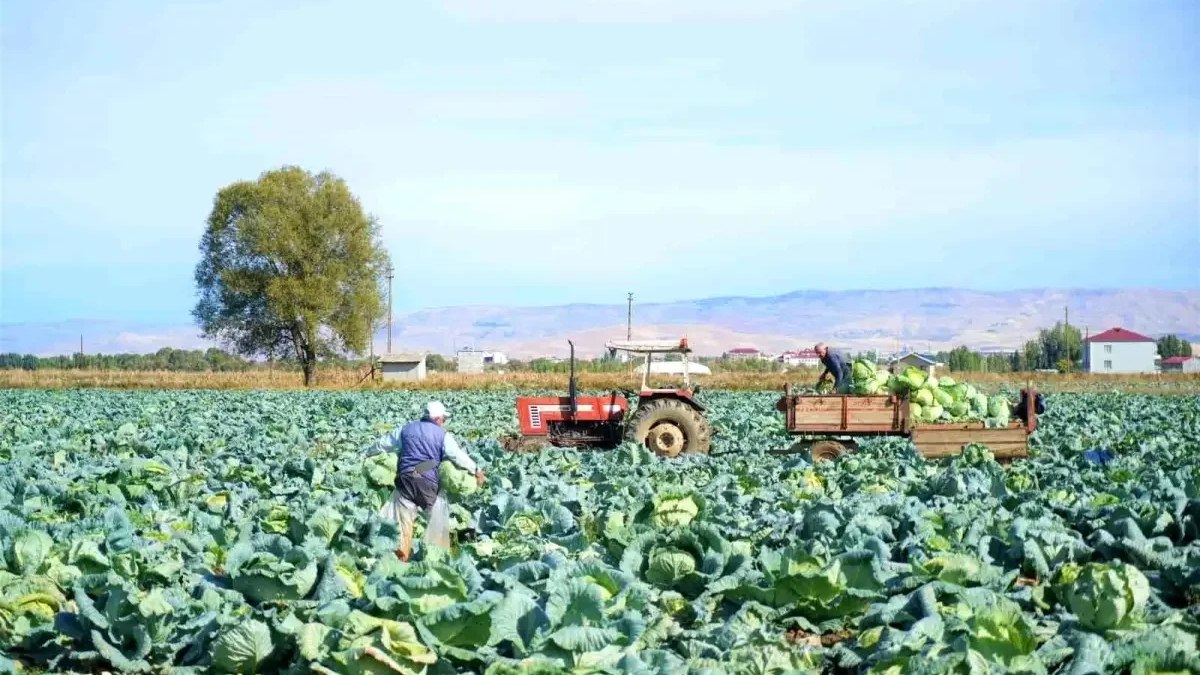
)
(201, 532)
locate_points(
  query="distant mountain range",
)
(925, 319)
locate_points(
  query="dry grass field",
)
(337, 379)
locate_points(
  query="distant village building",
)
(743, 353)
(804, 357)
(469, 361)
(1181, 364)
(1118, 350)
(402, 367)
(476, 360)
(926, 362)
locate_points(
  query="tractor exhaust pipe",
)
(571, 384)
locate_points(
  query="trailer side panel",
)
(843, 414)
(945, 440)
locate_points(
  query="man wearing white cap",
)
(421, 445)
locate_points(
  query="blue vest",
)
(421, 441)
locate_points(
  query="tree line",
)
(192, 360)
(180, 360)
(1059, 348)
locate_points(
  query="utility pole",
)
(1066, 331)
(1084, 356)
(629, 330)
(629, 320)
(390, 275)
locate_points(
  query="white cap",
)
(435, 409)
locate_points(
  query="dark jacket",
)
(835, 364)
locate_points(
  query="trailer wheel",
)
(827, 451)
(669, 427)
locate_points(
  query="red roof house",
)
(743, 353)
(1119, 335)
(1187, 364)
(1118, 350)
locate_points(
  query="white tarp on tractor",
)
(676, 368)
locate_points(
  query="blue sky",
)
(673, 148)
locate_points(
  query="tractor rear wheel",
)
(827, 451)
(669, 427)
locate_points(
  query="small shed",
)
(1181, 364)
(926, 362)
(402, 367)
(470, 361)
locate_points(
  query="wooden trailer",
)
(831, 425)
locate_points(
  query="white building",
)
(1119, 351)
(804, 357)
(475, 360)
(744, 353)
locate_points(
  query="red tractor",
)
(668, 421)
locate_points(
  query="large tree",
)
(1173, 345)
(1060, 347)
(290, 265)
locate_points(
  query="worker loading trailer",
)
(831, 425)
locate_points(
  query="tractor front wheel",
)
(669, 427)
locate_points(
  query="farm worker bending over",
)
(421, 446)
(834, 365)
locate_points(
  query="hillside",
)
(932, 318)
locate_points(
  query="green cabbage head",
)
(862, 370)
(998, 407)
(1104, 595)
(668, 565)
(674, 510)
(456, 482)
(915, 377)
(242, 648)
(979, 405)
